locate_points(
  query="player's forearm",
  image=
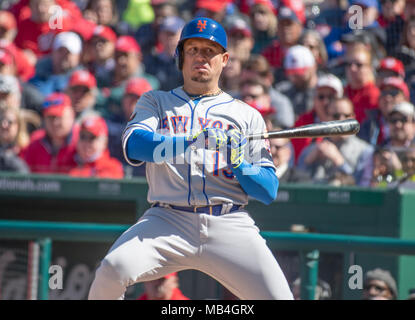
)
(147, 146)
(262, 185)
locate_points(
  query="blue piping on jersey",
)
(217, 105)
(146, 126)
(203, 178)
(191, 129)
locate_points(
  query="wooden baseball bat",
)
(322, 129)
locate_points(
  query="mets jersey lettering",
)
(197, 176)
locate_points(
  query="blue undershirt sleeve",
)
(262, 186)
(141, 146)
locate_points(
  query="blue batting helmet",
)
(204, 28)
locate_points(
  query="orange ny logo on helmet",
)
(201, 25)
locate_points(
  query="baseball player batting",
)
(200, 171)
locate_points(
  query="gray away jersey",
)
(197, 177)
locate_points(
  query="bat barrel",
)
(323, 129)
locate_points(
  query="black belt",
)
(215, 210)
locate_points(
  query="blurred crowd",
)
(72, 71)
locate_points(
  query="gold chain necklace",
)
(195, 97)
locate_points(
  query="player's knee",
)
(108, 281)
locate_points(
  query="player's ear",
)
(225, 59)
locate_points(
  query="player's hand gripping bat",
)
(323, 129)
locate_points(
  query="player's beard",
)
(201, 78)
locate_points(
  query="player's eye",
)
(192, 51)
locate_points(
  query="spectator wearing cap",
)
(361, 88)
(379, 284)
(13, 138)
(328, 88)
(336, 160)
(82, 90)
(213, 9)
(53, 72)
(128, 64)
(146, 34)
(375, 129)
(35, 31)
(256, 94)
(134, 89)
(391, 19)
(128, 59)
(8, 30)
(389, 67)
(164, 288)
(102, 48)
(301, 71)
(240, 37)
(401, 126)
(289, 30)
(162, 65)
(258, 66)
(263, 20)
(52, 149)
(92, 154)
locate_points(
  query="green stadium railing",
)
(308, 244)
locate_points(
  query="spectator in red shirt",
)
(290, 28)
(8, 30)
(166, 288)
(361, 88)
(92, 154)
(375, 129)
(52, 149)
(37, 31)
(328, 88)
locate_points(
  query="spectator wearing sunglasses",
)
(375, 129)
(338, 159)
(401, 125)
(379, 285)
(92, 154)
